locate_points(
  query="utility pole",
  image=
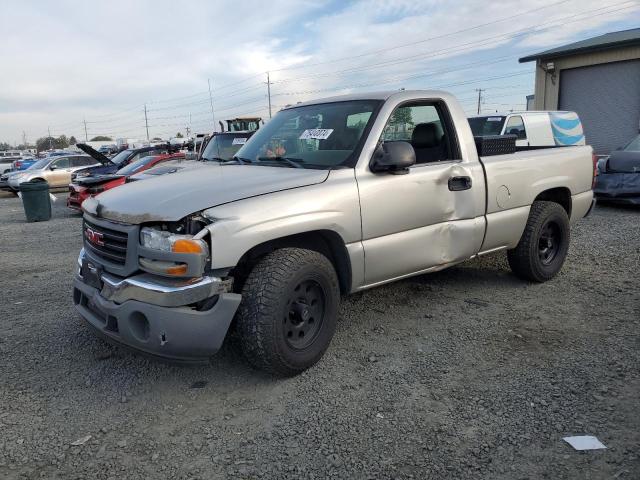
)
(213, 117)
(86, 137)
(50, 139)
(269, 93)
(479, 90)
(24, 139)
(146, 122)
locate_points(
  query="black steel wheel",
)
(304, 314)
(287, 315)
(550, 242)
(544, 244)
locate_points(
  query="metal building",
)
(600, 79)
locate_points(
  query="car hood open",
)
(89, 150)
(172, 197)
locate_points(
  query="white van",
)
(534, 129)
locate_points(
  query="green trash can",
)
(36, 201)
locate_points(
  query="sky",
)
(68, 62)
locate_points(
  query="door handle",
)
(457, 184)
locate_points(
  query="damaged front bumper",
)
(157, 316)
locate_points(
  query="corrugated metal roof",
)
(602, 42)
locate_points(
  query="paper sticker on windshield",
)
(316, 134)
(494, 119)
(239, 141)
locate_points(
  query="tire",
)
(544, 244)
(287, 316)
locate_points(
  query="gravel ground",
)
(466, 373)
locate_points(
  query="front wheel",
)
(544, 244)
(287, 316)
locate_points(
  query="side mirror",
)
(393, 157)
(53, 167)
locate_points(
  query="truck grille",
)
(110, 245)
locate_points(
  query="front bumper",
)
(153, 316)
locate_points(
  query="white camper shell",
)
(534, 129)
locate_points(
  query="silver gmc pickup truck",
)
(330, 197)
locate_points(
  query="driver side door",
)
(428, 217)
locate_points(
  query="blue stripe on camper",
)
(565, 123)
(564, 139)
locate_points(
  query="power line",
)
(437, 37)
(472, 45)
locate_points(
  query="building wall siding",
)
(547, 85)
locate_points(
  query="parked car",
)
(92, 185)
(533, 129)
(6, 164)
(109, 149)
(122, 159)
(4, 179)
(8, 157)
(618, 179)
(324, 199)
(55, 170)
(27, 161)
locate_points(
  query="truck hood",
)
(172, 197)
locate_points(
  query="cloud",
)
(103, 60)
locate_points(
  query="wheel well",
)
(326, 242)
(560, 195)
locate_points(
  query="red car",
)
(85, 187)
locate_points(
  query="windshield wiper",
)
(213, 159)
(294, 162)
(236, 159)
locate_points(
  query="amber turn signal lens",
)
(177, 270)
(186, 246)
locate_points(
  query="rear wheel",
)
(544, 244)
(288, 312)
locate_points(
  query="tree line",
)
(48, 143)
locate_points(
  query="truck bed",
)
(514, 181)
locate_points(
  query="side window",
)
(515, 126)
(424, 127)
(62, 163)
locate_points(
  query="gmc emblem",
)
(94, 237)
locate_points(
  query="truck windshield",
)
(482, 126)
(224, 146)
(320, 136)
